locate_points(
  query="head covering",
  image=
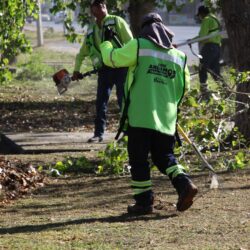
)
(154, 30)
(97, 2)
(202, 10)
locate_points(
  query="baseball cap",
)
(202, 10)
(97, 2)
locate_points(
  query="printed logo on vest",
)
(161, 70)
(160, 80)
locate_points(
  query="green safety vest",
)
(158, 87)
(209, 25)
(95, 36)
(94, 52)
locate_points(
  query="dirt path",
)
(87, 212)
(54, 142)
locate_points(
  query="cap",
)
(97, 2)
(203, 10)
(151, 17)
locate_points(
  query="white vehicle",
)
(59, 17)
(45, 17)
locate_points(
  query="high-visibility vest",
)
(93, 42)
(158, 87)
(210, 24)
(94, 51)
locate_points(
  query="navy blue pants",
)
(107, 78)
(211, 60)
(141, 142)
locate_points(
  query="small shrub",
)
(34, 69)
(74, 165)
(239, 162)
(114, 158)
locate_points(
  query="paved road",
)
(182, 33)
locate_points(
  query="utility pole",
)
(39, 26)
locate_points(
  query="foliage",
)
(34, 69)
(114, 7)
(209, 125)
(72, 165)
(13, 14)
(84, 16)
(240, 77)
(238, 162)
(114, 158)
(214, 5)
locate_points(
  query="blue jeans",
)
(107, 78)
(211, 58)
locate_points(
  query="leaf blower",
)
(62, 79)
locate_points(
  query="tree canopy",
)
(13, 14)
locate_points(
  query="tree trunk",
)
(137, 9)
(237, 19)
(242, 121)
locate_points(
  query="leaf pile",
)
(17, 179)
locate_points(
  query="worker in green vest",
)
(107, 76)
(209, 49)
(156, 82)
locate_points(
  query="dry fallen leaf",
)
(17, 179)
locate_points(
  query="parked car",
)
(46, 17)
(29, 19)
(59, 17)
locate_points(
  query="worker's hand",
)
(108, 34)
(76, 76)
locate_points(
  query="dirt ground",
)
(87, 212)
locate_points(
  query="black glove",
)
(76, 76)
(108, 34)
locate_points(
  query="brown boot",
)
(186, 191)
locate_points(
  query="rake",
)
(214, 181)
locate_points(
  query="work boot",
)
(205, 97)
(186, 191)
(143, 204)
(136, 209)
(205, 93)
(95, 139)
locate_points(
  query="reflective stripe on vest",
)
(109, 22)
(163, 56)
(90, 31)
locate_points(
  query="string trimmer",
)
(62, 79)
(214, 181)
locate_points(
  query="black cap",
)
(97, 2)
(202, 10)
(151, 17)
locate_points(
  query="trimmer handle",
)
(89, 73)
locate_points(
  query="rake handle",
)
(207, 165)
